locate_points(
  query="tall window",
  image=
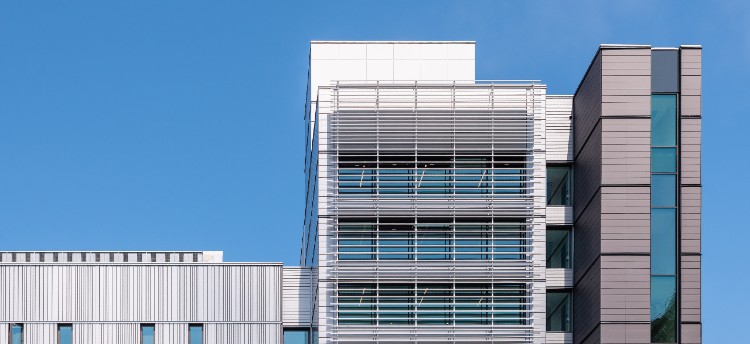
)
(559, 185)
(16, 333)
(64, 334)
(147, 334)
(664, 218)
(195, 334)
(296, 336)
(559, 311)
(559, 243)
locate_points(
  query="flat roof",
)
(393, 42)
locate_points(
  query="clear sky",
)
(178, 125)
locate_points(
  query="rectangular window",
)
(296, 336)
(195, 334)
(559, 185)
(16, 333)
(663, 309)
(663, 190)
(559, 311)
(664, 159)
(559, 248)
(65, 334)
(663, 120)
(147, 334)
(663, 241)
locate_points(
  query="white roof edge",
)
(624, 46)
(393, 42)
(560, 96)
(691, 46)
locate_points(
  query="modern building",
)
(439, 209)
(444, 209)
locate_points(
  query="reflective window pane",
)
(663, 309)
(558, 248)
(558, 185)
(663, 190)
(296, 336)
(195, 334)
(663, 159)
(663, 241)
(147, 334)
(558, 311)
(65, 334)
(16, 334)
(663, 120)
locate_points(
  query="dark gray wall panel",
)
(665, 71)
(587, 236)
(587, 305)
(587, 173)
(626, 214)
(587, 104)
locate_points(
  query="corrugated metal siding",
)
(297, 296)
(559, 278)
(559, 125)
(106, 303)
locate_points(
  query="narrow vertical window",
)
(16, 334)
(147, 334)
(559, 248)
(64, 334)
(195, 334)
(559, 185)
(559, 311)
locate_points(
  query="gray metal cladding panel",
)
(626, 286)
(690, 150)
(587, 172)
(626, 151)
(626, 82)
(625, 223)
(626, 333)
(297, 296)
(140, 293)
(690, 288)
(587, 305)
(691, 333)
(593, 337)
(559, 124)
(665, 71)
(587, 237)
(690, 81)
(690, 219)
(587, 104)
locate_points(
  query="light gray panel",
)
(690, 219)
(690, 81)
(626, 149)
(625, 288)
(625, 333)
(625, 224)
(559, 136)
(690, 279)
(691, 333)
(690, 150)
(297, 296)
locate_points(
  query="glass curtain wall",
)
(664, 185)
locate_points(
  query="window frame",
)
(59, 333)
(560, 164)
(10, 332)
(140, 331)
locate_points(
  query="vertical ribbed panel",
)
(242, 333)
(144, 293)
(107, 303)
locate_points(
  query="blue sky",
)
(178, 125)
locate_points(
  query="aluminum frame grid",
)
(418, 120)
